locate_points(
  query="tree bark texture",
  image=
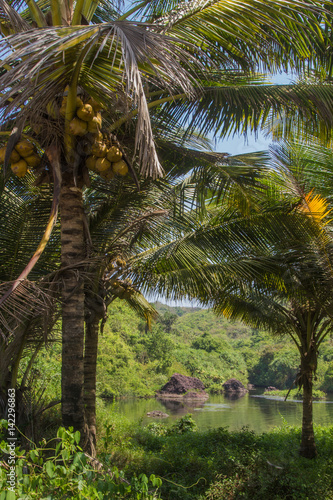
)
(90, 364)
(308, 446)
(72, 253)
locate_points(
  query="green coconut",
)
(91, 163)
(14, 157)
(99, 149)
(114, 154)
(85, 112)
(24, 148)
(78, 127)
(102, 164)
(33, 161)
(120, 168)
(19, 168)
(95, 124)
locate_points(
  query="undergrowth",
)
(171, 462)
(223, 465)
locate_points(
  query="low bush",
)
(59, 470)
(296, 394)
(224, 465)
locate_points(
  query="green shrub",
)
(327, 383)
(60, 470)
(296, 394)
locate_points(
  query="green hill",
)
(135, 362)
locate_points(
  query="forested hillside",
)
(135, 361)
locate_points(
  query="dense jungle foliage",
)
(173, 461)
(135, 361)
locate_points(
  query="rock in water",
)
(181, 386)
(233, 385)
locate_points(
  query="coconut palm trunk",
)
(72, 253)
(90, 366)
(308, 447)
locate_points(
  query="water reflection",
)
(234, 395)
(252, 410)
(180, 408)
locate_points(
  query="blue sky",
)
(237, 144)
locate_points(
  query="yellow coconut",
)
(95, 124)
(20, 168)
(96, 105)
(79, 102)
(62, 111)
(14, 157)
(107, 174)
(99, 149)
(120, 167)
(91, 163)
(78, 127)
(2, 154)
(102, 164)
(33, 160)
(24, 148)
(114, 154)
(86, 112)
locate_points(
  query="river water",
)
(254, 410)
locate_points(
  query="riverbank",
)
(220, 464)
(174, 463)
(254, 410)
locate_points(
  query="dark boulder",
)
(179, 384)
(184, 387)
(233, 385)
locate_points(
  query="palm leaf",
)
(224, 111)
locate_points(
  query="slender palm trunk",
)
(90, 364)
(72, 252)
(308, 446)
(95, 311)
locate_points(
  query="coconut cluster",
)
(23, 156)
(123, 289)
(88, 117)
(103, 157)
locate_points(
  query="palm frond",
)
(224, 111)
(271, 33)
(10, 19)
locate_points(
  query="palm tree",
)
(131, 68)
(280, 273)
(126, 225)
(27, 319)
(294, 299)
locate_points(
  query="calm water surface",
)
(258, 412)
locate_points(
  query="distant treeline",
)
(135, 361)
